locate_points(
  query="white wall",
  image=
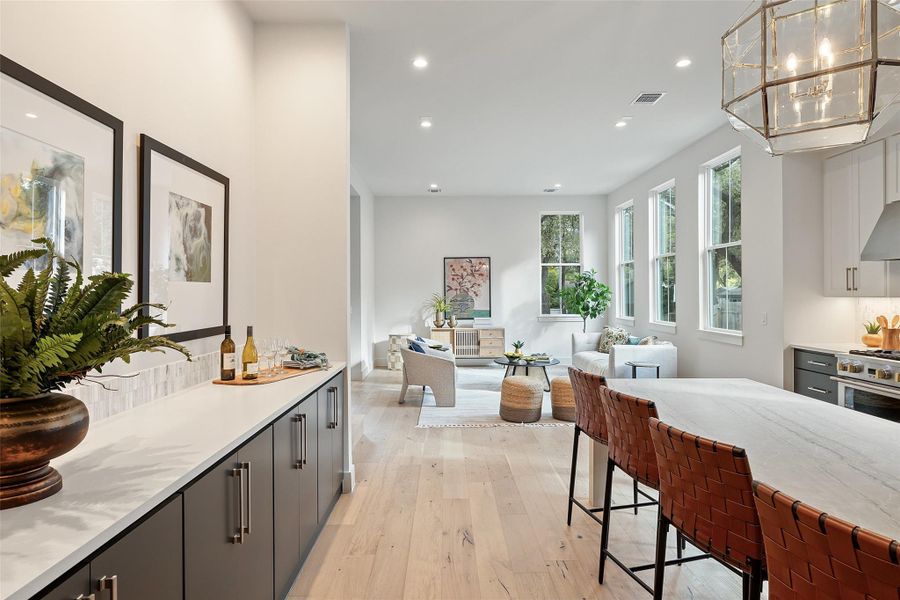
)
(760, 356)
(179, 72)
(301, 154)
(366, 273)
(414, 234)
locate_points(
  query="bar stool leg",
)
(679, 543)
(659, 573)
(755, 587)
(572, 475)
(745, 593)
(607, 502)
(635, 496)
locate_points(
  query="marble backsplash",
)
(132, 390)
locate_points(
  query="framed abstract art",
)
(60, 171)
(183, 250)
(467, 286)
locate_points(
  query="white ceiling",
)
(523, 94)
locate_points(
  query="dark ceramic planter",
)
(33, 431)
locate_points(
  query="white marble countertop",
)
(830, 347)
(127, 465)
(840, 461)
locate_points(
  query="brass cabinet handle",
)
(847, 279)
(246, 466)
(298, 419)
(855, 289)
(111, 584)
(816, 390)
(238, 474)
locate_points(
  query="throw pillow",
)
(416, 347)
(650, 340)
(633, 340)
(611, 336)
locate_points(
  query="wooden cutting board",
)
(287, 374)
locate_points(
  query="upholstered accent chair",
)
(433, 368)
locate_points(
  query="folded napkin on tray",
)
(304, 359)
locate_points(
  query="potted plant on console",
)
(54, 331)
(586, 297)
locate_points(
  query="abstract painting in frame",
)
(467, 286)
(183, 242)
(60, 171)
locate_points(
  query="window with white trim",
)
(662, 253)
(560, 258)
(722, 282)
(625, 260)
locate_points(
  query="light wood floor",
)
(465, 513)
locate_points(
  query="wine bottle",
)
(249, 357)
(227, 358)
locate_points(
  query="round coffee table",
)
(513, 365)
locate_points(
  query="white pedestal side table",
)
(395, 359)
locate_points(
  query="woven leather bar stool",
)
(813, 555)
(590, 420)
(631, 449)
(706, 493)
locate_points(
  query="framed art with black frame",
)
(467, 286)
(60, 171)
(183, 251)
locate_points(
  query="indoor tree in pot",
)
(586, 297)
(54, 331)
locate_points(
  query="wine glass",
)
(278, 352)
(266, 352)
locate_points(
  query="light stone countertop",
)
(840, 461)
(830, 347)
(127, 465)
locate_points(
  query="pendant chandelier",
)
(810, 74)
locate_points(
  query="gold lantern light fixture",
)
(809, 74)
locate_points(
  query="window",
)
(625, 261)
(722, 282)
(662, 252)
(560, 258)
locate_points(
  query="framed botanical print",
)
(183, 242)
(60, 171)
(467, 286)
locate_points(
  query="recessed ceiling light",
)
(557, 185)
(425, 122)
(31, 115)
(684, 62)
(434, 188)
(621, 123)
(420, 62)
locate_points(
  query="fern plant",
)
(54, 330)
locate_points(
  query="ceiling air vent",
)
(648, 98)
(550, 190)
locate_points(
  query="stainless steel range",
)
(869, 382)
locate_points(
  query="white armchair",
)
(435, 370)
(586, 357)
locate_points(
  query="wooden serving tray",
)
(264, 380)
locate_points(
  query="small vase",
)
(438, 320)
(872, 340)
(33, 431)
(452, 321)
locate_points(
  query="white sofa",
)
(586, 357)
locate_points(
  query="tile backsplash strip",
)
(145, 386)
(868, 308)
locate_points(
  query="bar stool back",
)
(705, 491)
(813, 555)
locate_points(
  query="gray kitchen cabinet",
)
(145, 564)
(76, 586)
(812, 375)
(330, 459)
(228, 536)
(294, 490)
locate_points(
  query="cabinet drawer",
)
(815, 385)
(813, 361)
(490, 334)
(492, 345)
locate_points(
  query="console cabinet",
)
(240, 530)
(472, 342)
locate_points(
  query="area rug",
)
(478, 402)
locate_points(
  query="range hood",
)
(884, 243)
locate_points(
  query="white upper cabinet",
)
(855, 186)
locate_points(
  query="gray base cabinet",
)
(295, 468)
(228, 533)
(242, 529)
(145, 564)
(812, 375)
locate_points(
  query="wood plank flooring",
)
(468, 513)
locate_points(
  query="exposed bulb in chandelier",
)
(825, 52)
(791, 63)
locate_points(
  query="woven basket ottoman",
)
(521, 399)
(562, 399)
